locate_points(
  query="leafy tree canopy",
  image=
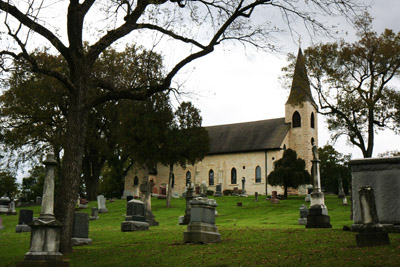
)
(8, 184)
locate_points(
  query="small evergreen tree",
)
(289, 171)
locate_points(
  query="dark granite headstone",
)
(25, 216)
(129, 198)
(95, 214)
(135, 211)
(81, 225)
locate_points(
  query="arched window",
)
(188, 176)
(296, 120)
(284, 147)
(312, 141)
(211, 177)
(136, 180)
(233, 176)
(258, 174)
(312, 120)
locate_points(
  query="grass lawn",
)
(258, 233)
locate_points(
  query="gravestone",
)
(235, 191)
(39, 200)
(341, 191)
(101, 203)
(146, 189)
(45, 234)
(135, 219)
(25, 218)
(11, 208)
(203, 189)
(162, 192)
(303, 215)
(309, 191)
(344, 201)
(318, 213)
(274, 197)
(80, 229)
(4, 202)
(239, 203)
(197, 190)
(218, 191)
(383, 175)
(256, 197)
(129, 198)
(184, 220)
(175, 195)
(1, 224)
(83, 203)
(202, 228)
(371, 231)
(95, 214)
(243, 187)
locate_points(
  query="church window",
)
(258, 174)
(284, 147)
(211, 177)
(296, 120)
(233, 176)
(312, 141)
(312, 120)
(136, 180)
(188, 176)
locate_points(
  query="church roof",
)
(248, 136)
(300, 90)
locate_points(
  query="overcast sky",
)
(236, 85)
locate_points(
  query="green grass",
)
(258, 233)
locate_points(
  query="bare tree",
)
(201, 24)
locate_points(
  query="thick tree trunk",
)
(92, 166)
(169, 192)
(71, 170)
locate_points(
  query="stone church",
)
(248, 150)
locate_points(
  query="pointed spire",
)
(300, 91)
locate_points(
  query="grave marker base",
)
(22, 228)
(129, 226)
(317, 218)
(204, 233)
(78, 241)
(372, 239)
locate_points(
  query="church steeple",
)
(300, 91)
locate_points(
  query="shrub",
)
(227, 192)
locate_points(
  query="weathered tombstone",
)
(4, 202)
(128, 198)
(80, 229)
(25, 218)
(1, 224)
(162, 192)
(383, 175)
(341, 191)
(256, 197)
(274, 197)
(184, 220)
(303, 215)
(39, 200)
(83, 203)
(344, 201)
(243, 187)
(218, 190)
(197, 189)
(146, 189)
(371, 231)
(45, 234)
(95, 214)
(239, 204)
(135, 219)
(235, 191)
(11, 208)
(101, 203)
(318, 213)
(203, 189)
(202, 228)
(175, 194)
(309, 191)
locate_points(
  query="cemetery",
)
(257, 233)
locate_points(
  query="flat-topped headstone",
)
(274, 197)
(24, 219)
(146, 188)
(11, 208)
(202, 228)
(4, 202)
(101, 203)
(303, 215)
(203, 189)
(135, 219)
(80, 230)
(95, 214)
(218, 190)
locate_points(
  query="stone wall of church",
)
(222, 165)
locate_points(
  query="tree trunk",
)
(92, 165)
(285, 194)
(169, 192)
(71, 169)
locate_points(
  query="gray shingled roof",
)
(248, 136)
